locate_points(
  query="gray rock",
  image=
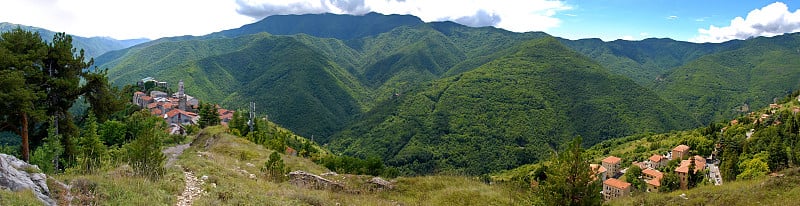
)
(307, 180)
(381, 184)
(17, 175)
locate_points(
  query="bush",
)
(144, 155)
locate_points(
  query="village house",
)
(657, 161)
(683, 170)
(158, 94)
(680, 152)
(178, 116)
(612, 165)
(652, 178)
(599, 171)
(614, 188)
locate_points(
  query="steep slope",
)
(502, 114)
(93, 46)
(715, 87)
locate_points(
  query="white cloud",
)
(532, 15)
(627, 37)
(125, 19)
(672, 17)
(772, 20)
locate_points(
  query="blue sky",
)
(685, 20)
(676, 19)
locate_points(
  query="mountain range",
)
(441, 97)
(93, 46)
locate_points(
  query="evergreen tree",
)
(274, 168)
(91, 150)
(39, 79)
(47, 156)
(570, 180)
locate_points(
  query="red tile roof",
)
(653, 173)
(657, 158)
(699, 164)
(682, 148)
(147, 98)
(617, 183)
(156, 111)
(598, 168)
(612, 160)
(139, 93)
(654, 182)
(152, 105)
(177, 111)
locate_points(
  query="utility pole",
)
(252, 116)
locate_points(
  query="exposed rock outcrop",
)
(16, 175)
(380, 184)
(312, 181)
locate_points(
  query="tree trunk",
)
(24, 136)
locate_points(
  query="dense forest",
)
(317, 80)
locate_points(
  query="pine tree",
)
(91, 150)
(48, 156)
(570, 180)
(274, 167)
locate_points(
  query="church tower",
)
(181, 96)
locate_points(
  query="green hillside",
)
(716, 86)
(646, 60)
(93, 46)
(505, 113)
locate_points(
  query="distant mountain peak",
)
(327, 25)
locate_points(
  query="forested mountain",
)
(93, 46)
(351, 77)
(724, 84)
(506, 113)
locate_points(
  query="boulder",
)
(380, 184)
(16, 175)
(307, 180)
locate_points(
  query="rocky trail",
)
(192, 188)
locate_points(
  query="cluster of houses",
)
(610, 169)
(177, 109)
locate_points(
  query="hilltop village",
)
(178, 109)
(611, 172)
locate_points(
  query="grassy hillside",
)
(505, 113)
(227, 162)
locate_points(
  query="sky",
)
(684, 20)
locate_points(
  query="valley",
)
(393, 110)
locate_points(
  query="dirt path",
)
(191, 190)
(173, 152)
(192, 185)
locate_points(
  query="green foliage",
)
(143, 152)
(632, 176)
(351, 165)
(48, 156)
(208, 115)
(670, 182)
(274, 168)
(570, 180)
(500, 115)
(113, 133)
(754, 167)
(91, 150)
